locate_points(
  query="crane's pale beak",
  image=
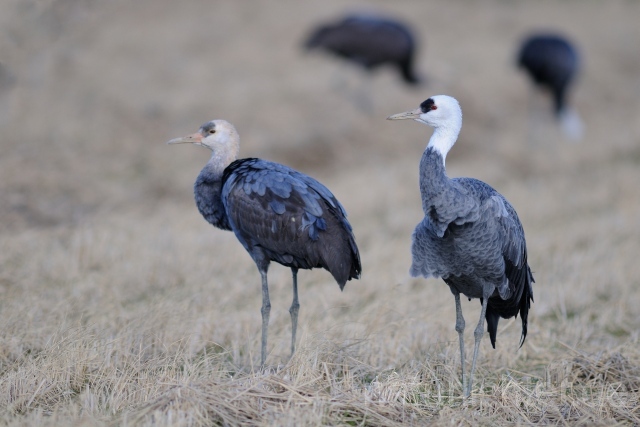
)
(413, 114)
(194, 138)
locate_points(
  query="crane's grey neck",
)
(444, 136)
(433, 178)
(432, 171)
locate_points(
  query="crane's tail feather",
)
(519, 303)
(340, 253)
(525, 303)
(492, 325)
(356, 265)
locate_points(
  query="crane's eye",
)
(434, 107)
(212, 131)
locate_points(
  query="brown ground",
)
(119, 304)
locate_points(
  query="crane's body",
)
(470, 237)
(277, 213)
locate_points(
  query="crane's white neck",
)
(220, 160)
(222, 155)
(444, 136)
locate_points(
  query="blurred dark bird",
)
(552, 62)
(370, 42)
(470, 237)
(277, 213)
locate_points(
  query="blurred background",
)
(91, 90)
(92, 199)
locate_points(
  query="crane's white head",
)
(219, 136)
(441, 112)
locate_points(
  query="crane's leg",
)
(478, 333)
(536, 115)
(363, 98)
(266, 310)
(460, 330)
(295, 307)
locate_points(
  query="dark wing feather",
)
(288, 217)
(517, 271)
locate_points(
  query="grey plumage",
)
(369, 41)
(470, 233)
(471, 236)
(277, 213)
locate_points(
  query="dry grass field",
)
(120, 305)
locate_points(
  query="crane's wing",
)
(516, 292)
(455, 206)
(514, 245)
(508, 235)
(474, 201)
(279, 209)
(435, 251)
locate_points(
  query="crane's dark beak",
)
(413, 114)
(195, 138)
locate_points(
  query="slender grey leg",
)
(460, 330)
(530, 115)
(295, 307)
(478, 333)
(266, 310)
(339, 83)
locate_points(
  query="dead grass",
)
(119, 305)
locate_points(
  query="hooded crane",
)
(552, 62)
(277, 213)
(470, 236)
(369, 41)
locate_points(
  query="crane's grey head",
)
(219, 136)
(437, 111)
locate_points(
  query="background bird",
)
(277, 213)
(470, 237)
(552, 62)
(370, 42)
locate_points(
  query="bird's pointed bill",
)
(407, 115)
(195, 138)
